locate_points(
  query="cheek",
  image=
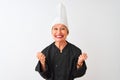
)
(65, 32)
(52, 32)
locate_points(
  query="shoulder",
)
(74, 46)
(46, 49)
(75, 49)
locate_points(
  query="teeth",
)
(58, 36)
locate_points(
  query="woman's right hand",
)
(41, 57)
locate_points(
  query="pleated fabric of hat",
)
(61, 17)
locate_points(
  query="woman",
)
(61, 60)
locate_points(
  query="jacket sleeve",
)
(80, 71)
(45, 74)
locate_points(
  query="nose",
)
(59, 31)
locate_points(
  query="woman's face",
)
(59, 32)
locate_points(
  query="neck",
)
(61, 45)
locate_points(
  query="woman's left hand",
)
(81, 58)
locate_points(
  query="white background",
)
(25, 29)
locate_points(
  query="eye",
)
(62, 28)
(55, 28)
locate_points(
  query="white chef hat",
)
(61, 15)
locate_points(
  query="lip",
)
(59, 36)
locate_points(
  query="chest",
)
(58, 59)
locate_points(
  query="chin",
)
(59, 40)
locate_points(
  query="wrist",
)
(79, 65)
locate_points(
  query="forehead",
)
(59, 25)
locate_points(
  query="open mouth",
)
(59, 36)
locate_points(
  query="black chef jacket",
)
(61, 66)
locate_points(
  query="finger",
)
(42, 55)
(85, 57)
(39, 54)
(84, 54)
(82, 57)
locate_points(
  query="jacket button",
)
(56, 65)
